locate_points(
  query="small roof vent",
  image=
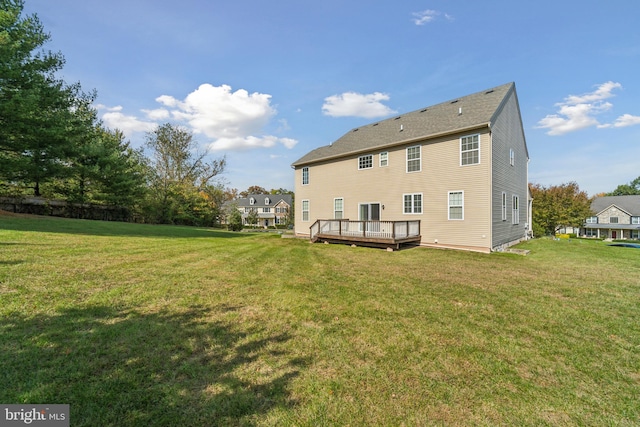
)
(356, 130)
(422, 111)
(453, 102)
(488, 92)
(375, 124)
(397, 118)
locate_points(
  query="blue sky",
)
(265, 82)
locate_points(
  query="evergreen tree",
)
(38, 112)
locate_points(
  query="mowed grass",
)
(152, 325)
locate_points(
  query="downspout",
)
(490, 187)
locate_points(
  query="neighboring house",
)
(271, 209)
(616, 217)
(460, 167)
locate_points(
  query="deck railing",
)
(392, 230)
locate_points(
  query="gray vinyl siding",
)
(507, 133)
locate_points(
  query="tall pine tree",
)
(38, 111)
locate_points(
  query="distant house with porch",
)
(458, 171)
(616, 217)
(270, 209)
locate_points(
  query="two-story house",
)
(616, 217)
(270, 209)
(460, 167)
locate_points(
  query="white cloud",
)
(157, 114)
(425, 16)
(233, 120)
(626, 120)
(357, 105)
(578, 112)
(218, 112)
(115, 119)
(429, 15)
(602, 92)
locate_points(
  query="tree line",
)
(53, 145)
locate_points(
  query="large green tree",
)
(558, 206)
(40, 115)
(182, 175)
(630, 189)
(106, 170)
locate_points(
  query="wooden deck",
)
(380, 234)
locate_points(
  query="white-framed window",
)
(338, 208)
(613, 220)
(365, 162)
(635, 234)
(305, 176)
(267, 200)
(384, 159)
(515, 209)
(592, 220)
(470, 150)
(266, 210)
(504, 206)
(512, 157)
(456, 205)
(591, 232)
(412, 203)
(414, 159)
(635, 220)
(305, 210)
(252, 201)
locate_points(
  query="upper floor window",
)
(267, 200)
(266, 210)
(592, 220)
(635, 220)
(365, 162)
(512, 157)
(384, 159)
(456, 205)
(470, 150)
(305, 176)
(252, 201)
(414, 160)
(613, 220)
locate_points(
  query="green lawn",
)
(136, 325)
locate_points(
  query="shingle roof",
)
(274, 199)
(630, 204)
(477, 109)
